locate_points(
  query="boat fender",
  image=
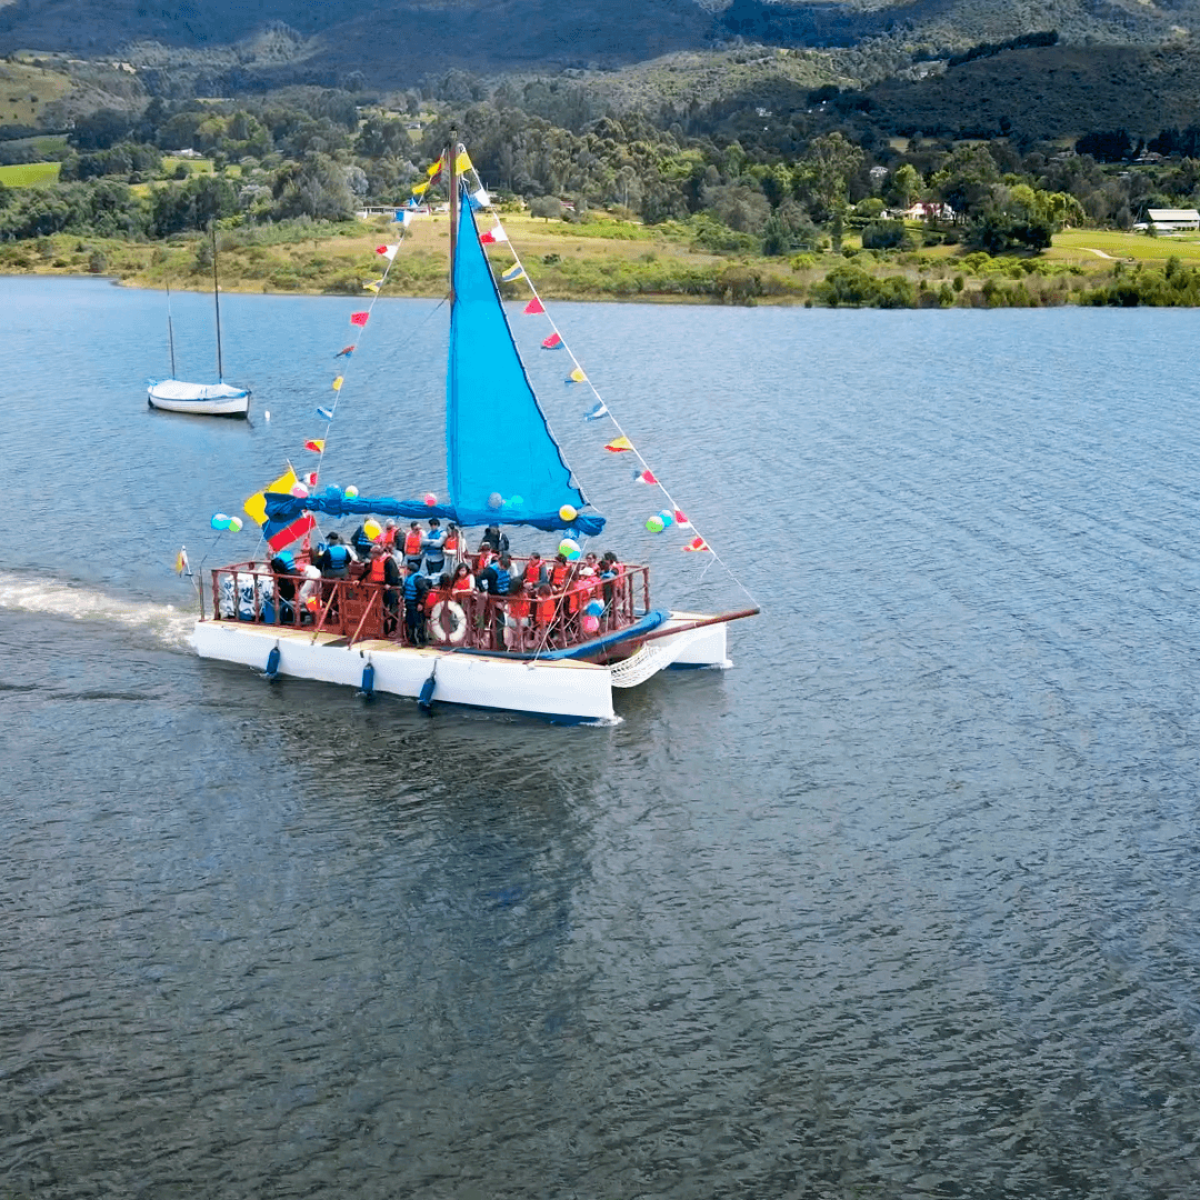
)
(458, 630)
(368, 680)
(425, 699)
(272, 663)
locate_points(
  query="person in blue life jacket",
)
(433, 546)
(414, 596)
(362, 543)
(335, 559)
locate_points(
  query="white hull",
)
(208, 399)
(561, 690)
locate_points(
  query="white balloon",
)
(266, 414)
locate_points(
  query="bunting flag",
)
(697, 543)
(598, 410)
(316, 445)
(491, 236)
(513, 273)
(388, 252)
(326, 414)
(577, 376)
(337, 387)
(359, 318)
(617, 445)
(479, 199)
(421, 188)
(374, 285)
(402, 217)
(645, 477)
(256, 505)
(289, 533)
(462, 164)
(553, 342)
(311, 479)
(681, 520)
(344, 352)
(181, 562)
(534, 306)
(431, 171)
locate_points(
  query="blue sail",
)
(502, 463)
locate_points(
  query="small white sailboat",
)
(556, 648)
(218, 399)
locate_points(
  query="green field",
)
(29, 174)
(1091, 247)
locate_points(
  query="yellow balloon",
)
(371, 529)
(568, 513)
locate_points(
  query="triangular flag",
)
(359, 318)
(388, 252)
(491, 236)
(577, 376)
(344, 352)
(434, 169)
(316, 445)
(402, 217)
(462, 164)
(374, 285)
(534, 306)
(597, 411)
(421, 188)
(479, 199)
(326, 414)
(311, 479)
(697, 543)
(553, 342)
(337, 386)
(513, 273)
(619, 444)
(681, 520)
(645, 477)
(181, 561)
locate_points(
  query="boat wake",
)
(171, 626)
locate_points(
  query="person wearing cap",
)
(283, 566)
(387, 538)
(494, 539)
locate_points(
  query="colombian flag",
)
(256, 506)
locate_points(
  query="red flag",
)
(311, 479)
(345, 351)
(553, 342)
(316, 445)
(534, 306)
(697, 543)
(289, 533)
(359, 318)
(645, 477)
(488, 238)
(680, 519)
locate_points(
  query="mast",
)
(170, 332)
(452, 175)
(217, 302)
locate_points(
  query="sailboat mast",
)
(452, 176)
(217, 303)
(170, 331)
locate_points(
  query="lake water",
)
(902, 905)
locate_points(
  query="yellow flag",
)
(337, 384)
(577, 375)
(421, 188)
(433, 170)
(462, 164)
(256, 506)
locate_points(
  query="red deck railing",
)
(359, 609)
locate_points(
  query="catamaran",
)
(557, 653)
(218, 399)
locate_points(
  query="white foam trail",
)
(171, 625)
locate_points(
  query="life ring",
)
(458, 630)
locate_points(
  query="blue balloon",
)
(595, 608)
(219, 521)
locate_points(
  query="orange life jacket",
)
(412, 543)
(451, 546)
(376, 574)
(558, 576)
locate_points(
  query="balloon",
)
(515, 502)
(568, 548)
(495, 500)
(568, 513)
(299, 491)
(219, 521)
(594, 608)
(590, 623)
(372, 529)
(667, 517)
(351, 492)
(235, 523)
(430, 499)
(311, 604)
(332, 489)
(655, 524)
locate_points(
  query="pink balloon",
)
(299, 491)
(430, 499)
(590, 623)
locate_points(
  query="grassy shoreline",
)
(623, 261)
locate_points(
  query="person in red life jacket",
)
(560, 571)
(517, 617)
(412, 547)
(387, 539)
(535, 569)
(453, 547)
(544, 606)
(462, 582)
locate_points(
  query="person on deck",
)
(453, 548)
(412, 547)
(462, 582)
(386, 575)
(494, 539)
(535, 569)
(284, 566)
(335, 559)
(433, 544)
(414, 617)
(362, 543)
(387, 539)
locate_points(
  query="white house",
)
(928, 210)
(1172, 220)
